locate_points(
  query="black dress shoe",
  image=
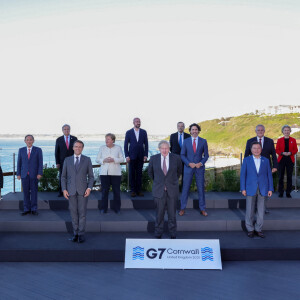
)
(74, 238)
(260, 234)
(288, 196)
(81, 239)
(250, 234)
(158, 236)
(267, 211)
(35, 213)
(280, 195)
(24, 213)
(173, 237)
(60, 195)
(102, 211)
(117, 212)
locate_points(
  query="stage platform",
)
(45, 237)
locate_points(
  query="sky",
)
(98, 64)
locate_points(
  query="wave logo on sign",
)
(207, 254)
(138, 253)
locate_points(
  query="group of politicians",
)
(183, 156)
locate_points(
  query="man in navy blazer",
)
(30, 170)
(268, 149)
(136, 153)
(256, 184)
(194, 154)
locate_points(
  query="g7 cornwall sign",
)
(172, 254)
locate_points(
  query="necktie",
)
(180, 140)
(260, 142)
(67, 142)
(28, 153)
(194, 145)
(77, 163)
(165, 166)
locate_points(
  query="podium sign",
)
(172, 254)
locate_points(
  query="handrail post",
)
(241, 159)
(14, 171)
(295, 173)
(127, 171)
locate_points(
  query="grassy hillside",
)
(229, 136)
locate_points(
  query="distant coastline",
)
(82, 136)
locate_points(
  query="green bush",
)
(50, 181)
(231, 181)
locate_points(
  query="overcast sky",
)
(98, 64)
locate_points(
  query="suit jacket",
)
(160, 180)
(61, 151)
(250, 179)
(293, 148)
(268, 150)
(33, 166)
(79, 181)
(188, 156)
(1, 178)
(174, 144)
(137, 149)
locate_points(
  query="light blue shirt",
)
(257, 162)
(67, 137)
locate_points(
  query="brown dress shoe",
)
(250, 234)
(181, 212)
(133, 194)
(203, 213)
(140, 194)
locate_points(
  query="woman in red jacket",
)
(286, 149)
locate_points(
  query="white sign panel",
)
(172, 254)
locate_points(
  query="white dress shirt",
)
(79, 156)
(167, 161)
(257, 162)
(28, 150)
(262, 141)
(113, 168)
(137, 134)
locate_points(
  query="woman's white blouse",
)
(113, 168)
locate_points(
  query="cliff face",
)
(229, 136)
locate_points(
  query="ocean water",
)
(10, 146)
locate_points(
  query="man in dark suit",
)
(268, 149)
(194, 154)
(165, 170)
(77, 182)
(30, 170)
(63, 148)
(256, 184)
(136, 153)
(177, 139)
(1, 181)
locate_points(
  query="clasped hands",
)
(108, 160)
(287, 153)
(245, 194)
(86, 194)
(193, 165)
(38, 177)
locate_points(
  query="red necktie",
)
(28, 153)
(260, 142)
(194, 145)
(67, 142)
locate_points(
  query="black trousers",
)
(285, 164)
(135, 175)
(115, 182)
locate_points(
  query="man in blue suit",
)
(136, 154)
(30, 170)
(256, 184)
(194, 154)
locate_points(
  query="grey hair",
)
(260, 125)
(286, 126)
(163, 142)
(180, 122)
(65, 126)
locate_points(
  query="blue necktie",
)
(180, 140)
